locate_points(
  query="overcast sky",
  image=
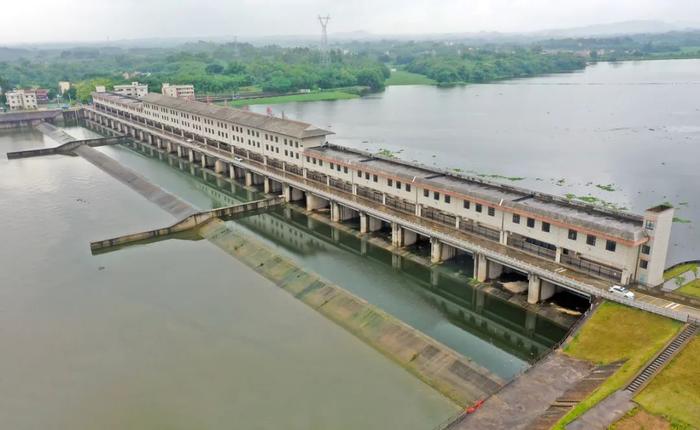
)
(97, 20)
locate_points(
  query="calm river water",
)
(175, 335)
(632, 125)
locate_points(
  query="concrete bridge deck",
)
(482, 248)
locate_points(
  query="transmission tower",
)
(325, 59)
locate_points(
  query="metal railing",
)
(401, 205)
(488, 233)
(370, 194)
(341, 185)
(591, 267)
(533, 248)
(438, 216)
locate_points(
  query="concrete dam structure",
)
(587, 249)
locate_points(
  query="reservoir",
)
(179, 334)
(624, 134)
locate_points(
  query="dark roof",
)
(296, 129)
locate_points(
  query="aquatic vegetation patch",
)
(606, 187)
(680, 220)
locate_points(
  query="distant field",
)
(311, 97)
(617, 332)
(401, 77)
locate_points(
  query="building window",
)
(516, 219)
(332, 166)
(646, 249)
(643, 264)
(408, 187)
(345, 169)
(531, 222)
(426, 193)
(320, 162)
(367, 175)
(390, 182)
(545, 227)
(398, 184)
(359, 173)
(492, 211)
(375, 178)
(590, 240)
(649, 225)
(448, 199)
(573, 234)
(466, 204)
(436, 195)
(611, 245)
(478, 207)
(308, 159)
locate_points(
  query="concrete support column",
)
(435, 250)
(266, 185)
(335, 212)
(495, 270)
(396, 236)
(481, 267)
(419, 210)
(190, 155)
(314, 202)
(626, 275)
(219, 166)
(458, 221)
(303, 171)
(383, 199)
(557, 255)
(354, 189)
(533, 289)
(179, 151)
(248, 178)
(503, 238)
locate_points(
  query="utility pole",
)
(325, 59)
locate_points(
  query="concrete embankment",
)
(67, 143)
(188, 223)
(170, 203)
(440, 367)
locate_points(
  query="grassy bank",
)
(617, 332)
(309, 97)
(678, 270)
(675, 392)
(401, 77)
(692, 288)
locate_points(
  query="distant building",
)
(42, 95)
(21, 99)
(178, 91)
(132, 90)
(100, 89)
(63, 86)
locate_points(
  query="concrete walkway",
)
(605, 413)
(522, 401)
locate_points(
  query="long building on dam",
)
(555, 242)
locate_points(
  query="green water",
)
(500, 336)
(174, 334)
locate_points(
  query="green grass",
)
(617, 332)
(310, 97)
(675, 392)
(678, 270)
(401, 77)
(692, 288)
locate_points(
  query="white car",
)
(189, 141)
(621, 291)
(238, 158)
